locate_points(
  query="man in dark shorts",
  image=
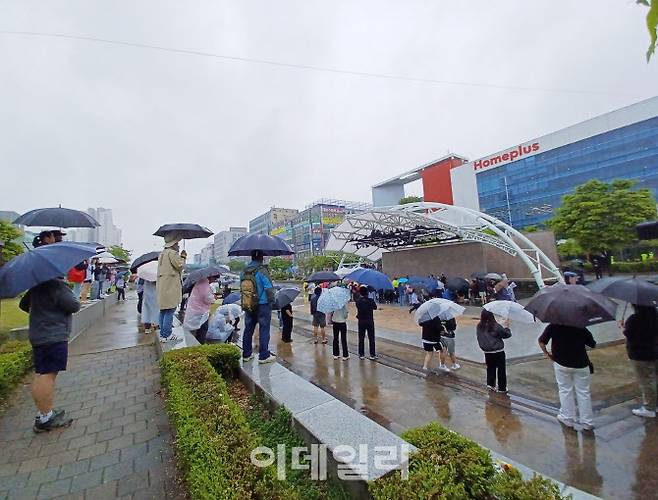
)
(50, 306)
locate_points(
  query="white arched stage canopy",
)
(370, 234)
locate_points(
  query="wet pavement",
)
(614, 461)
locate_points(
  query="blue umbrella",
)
(232, 298)
(428, 283)
(333, 299)
(269, 245)
(40, 265)
(56, 217)
(370, 277)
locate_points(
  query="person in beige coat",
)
(169, 285)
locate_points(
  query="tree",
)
(10, 248)
(236, 265)
(652, 24)
(120, 253)
(601, 216)
(410, 199)
(279, 264)
(569, 249)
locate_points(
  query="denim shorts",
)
(50, 358)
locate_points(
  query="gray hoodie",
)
(50, 306)
(491, 335)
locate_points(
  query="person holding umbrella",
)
(169, 285)
(257, 299)
(319, 318)
(572, 371)
(284, 299)
(641, 331)
(50, 304)
(366, 322)
(198, 308)
(490, 336)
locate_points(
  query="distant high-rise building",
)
(264, 223)
(197, 258)
(106, 234)
(207, 255)
(223, 241)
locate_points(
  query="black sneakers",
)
(57, 420)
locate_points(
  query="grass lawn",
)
(10, 317)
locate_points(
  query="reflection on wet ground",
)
(617, 460)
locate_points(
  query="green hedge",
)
(15, 361)
(213, 438)
(450, 466)
(647, 266)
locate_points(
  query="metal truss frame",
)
(371, 233)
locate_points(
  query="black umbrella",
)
(457, 284)
(285, 296)
(269, 245)
(633, 290)
(198, 275)
(184, 231)
(143, 259)
(571, 305)
(323, 276)
(56, 217)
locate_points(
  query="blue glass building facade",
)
(527, 191)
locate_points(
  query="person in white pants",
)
(572, 372)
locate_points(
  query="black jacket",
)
(364, 308)
(432, 330)
(50, 306)
(641, 331)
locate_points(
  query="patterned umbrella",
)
(333, 299)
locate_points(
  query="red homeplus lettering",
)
(510, 155)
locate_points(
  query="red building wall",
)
(437, 186)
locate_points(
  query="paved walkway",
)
(119, 445)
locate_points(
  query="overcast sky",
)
(170, 137)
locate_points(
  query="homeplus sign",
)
(507, 156)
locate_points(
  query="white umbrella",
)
(148, 271)
(225, 268)
(509, 310)
(442, 308)
(105, 258)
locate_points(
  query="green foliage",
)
(276, 428)
(649, 266)
(570, 249)
(213, 438)
(530, 229)
(237, 265)
(410, 199)
(11, 248)
(652, 24)
(510, 485)
(314, 263)
(15, 361)
(120, 253)
(279, 267)
(602, 216)
(11, 317)
(450, 466)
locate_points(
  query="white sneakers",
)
(270, 359)
(444, 368)
(456, 366)
(643, 412)
(567, 422)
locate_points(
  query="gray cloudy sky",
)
(168, 137)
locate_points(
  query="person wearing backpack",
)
(257, 294)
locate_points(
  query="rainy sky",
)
(309, 98)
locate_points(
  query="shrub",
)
(15, 361)
(449, 466)
(213, 438)
(510, 485)
(224, 358)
